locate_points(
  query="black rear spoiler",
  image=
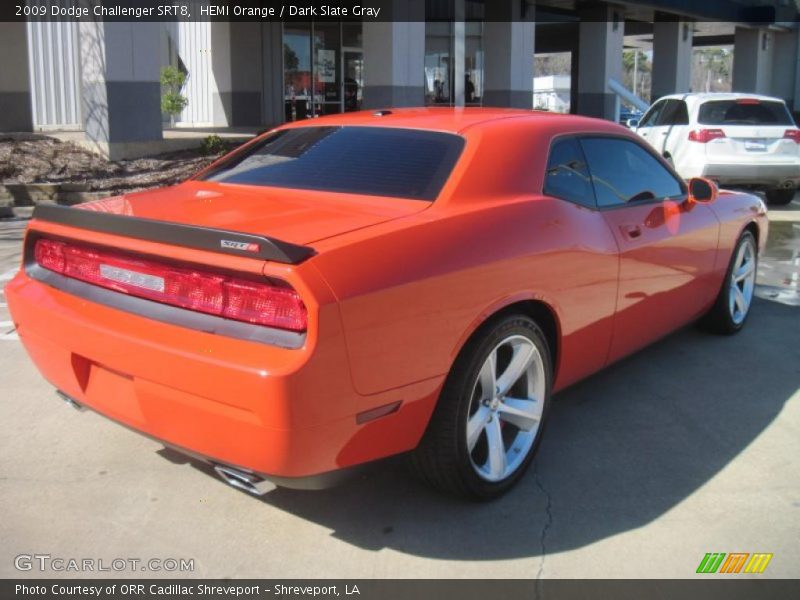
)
(176, 234)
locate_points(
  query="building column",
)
(752, 58)
(120, 86)
(15, 84)
(508, 50)
(672, 58)
(394, 57)
(601, 34)
(236, 71)
(459, 49)
(273, 91)
(247, 76)
(221, 112)
(796, 106)
(784, 66)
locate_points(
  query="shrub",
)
(172, 102)
(213, 144)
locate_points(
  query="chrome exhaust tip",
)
(71, 401)
(242, 480)
(788, 185)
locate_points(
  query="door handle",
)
(632, 231)
(664, 132)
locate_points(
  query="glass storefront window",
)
(353, 79)
(352, 35)
(327, 68)
(297, 70)
(473, 64)
(440, 66)
(438, 71)
(323, 69)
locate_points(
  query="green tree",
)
(172, 102)
(637, 72)
(558, 63)
(711, 69)
(290, 60)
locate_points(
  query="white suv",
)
(737, 140)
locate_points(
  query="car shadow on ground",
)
(622, 448)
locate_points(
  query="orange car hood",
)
(295, 216)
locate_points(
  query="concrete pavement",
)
(691, 446)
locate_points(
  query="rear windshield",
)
(744, 112)
(378, 161)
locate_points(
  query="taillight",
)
(264, 304)
(50, 255)
(793, 134)
(211, 293)
(705, 135)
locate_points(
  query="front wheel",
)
(733, 303)
(489, 419)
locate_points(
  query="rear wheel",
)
(733, 303)
(488, 422)
(779, 197)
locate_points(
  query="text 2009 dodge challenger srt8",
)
(358, 286)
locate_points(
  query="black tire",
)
(780, 197)
(720, 319)
(442, 458)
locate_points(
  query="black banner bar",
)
(712, 588)
(391, 10)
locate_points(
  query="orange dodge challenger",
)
(348, 288)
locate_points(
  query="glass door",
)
(353, 68)
(323, 69)
(327, 69)
(297, 71)
(438, 64)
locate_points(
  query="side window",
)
(681, 114)
(622, 172)
(674, 113)
(567, 176)
(651, 116)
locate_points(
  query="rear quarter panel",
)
(411, 295)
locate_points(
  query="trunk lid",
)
(754, 130)
(296, 216)
(758, 143)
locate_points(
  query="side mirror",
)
(632, 123)
(702, 190)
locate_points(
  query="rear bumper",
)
(289, 415)
(768, 175)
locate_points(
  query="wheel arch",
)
(542, 312)
(753, 228)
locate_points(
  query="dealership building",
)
(102, 78)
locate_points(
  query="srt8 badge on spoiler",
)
(243, 246)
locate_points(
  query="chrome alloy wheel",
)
(505, 408)
(742, 282)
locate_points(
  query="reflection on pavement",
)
(779, 264)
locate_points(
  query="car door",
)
(587, 264)
(671, 132)
(667, 132)
(667, 246)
